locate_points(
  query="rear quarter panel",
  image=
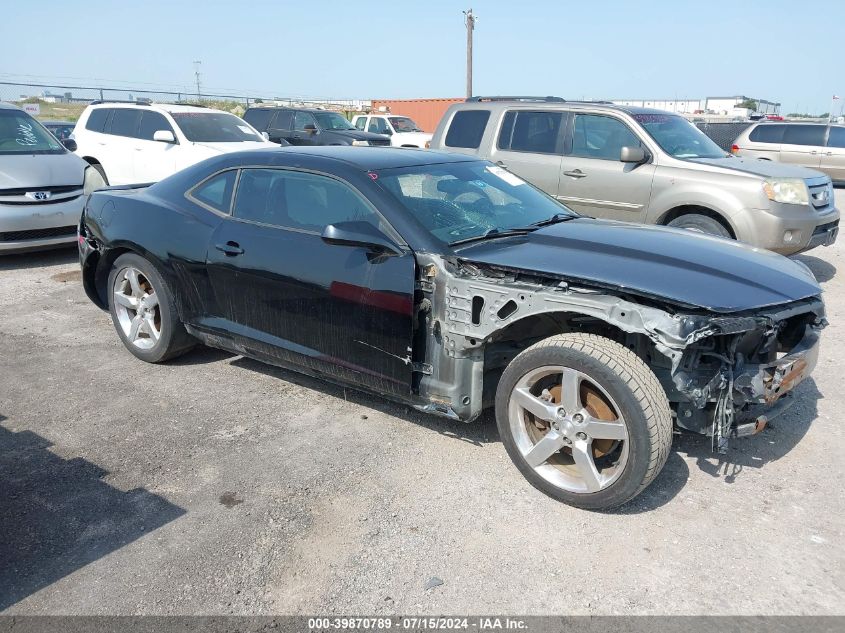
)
(173, 235)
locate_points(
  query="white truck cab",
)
(402, 130)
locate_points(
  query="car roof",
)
(8, 106)
(294, 108)
(342, 156)
(172, 108)
(48, 123)
(369, 158)
(555, 103)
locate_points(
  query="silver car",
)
(43, 186)
(814, 145)
(644, 165)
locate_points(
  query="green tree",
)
(748, 103)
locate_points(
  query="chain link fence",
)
(723, 133)
(66, 103)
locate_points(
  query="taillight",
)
(734, 149)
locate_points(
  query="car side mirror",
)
(70, 144)
(388, 132)
(632, 155)
(164, 136)
(310, 128)
(358, 233)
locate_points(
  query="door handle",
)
(230, 248)
(501, 163)
(814, 152)
(576, 173)
(828, 153)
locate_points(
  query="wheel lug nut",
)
(578, 418)
(581, 436)
(561, 412)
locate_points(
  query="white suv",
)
(133, 143)
(403, 132)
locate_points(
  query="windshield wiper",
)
(557, 217)
(496, 232)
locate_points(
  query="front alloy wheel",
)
(584, 419)
(568, 429)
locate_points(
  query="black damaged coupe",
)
(451, 284)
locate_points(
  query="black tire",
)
(102, 172)
(634, 388)
(700, 223)
(174, 340)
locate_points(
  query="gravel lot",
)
(217, 485)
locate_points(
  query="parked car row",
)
(600, 159)
(135, 142)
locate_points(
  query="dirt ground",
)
(215, 485)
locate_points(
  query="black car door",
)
(284, 293)
(280, 126)
(304, 129)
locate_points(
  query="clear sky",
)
(784, 51)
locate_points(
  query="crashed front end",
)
(741, 371)
(724, 375)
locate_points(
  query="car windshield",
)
(457, 202)
(332, 121)
(404, 124)
(21, 134)
(215, 127)
(679, 137)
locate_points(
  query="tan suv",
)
(644, 165)
(814, 145)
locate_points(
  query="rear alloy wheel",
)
(584, 419)
(143, 311)
(700, 224)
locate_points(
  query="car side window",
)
(216, 192)
(259, 118)
(377, 125)
(837, 137)
(804, 135)
(467, 128)
(767, 133)
(536, 132)
(125, 122)
(603, 137)
(361, 122)
(97, 119)
(302, 119)
(282, 121)
(298, 200)
(152, 122)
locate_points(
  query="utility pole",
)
(197, 75)
(469, 21)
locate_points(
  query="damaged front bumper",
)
(767, 383)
